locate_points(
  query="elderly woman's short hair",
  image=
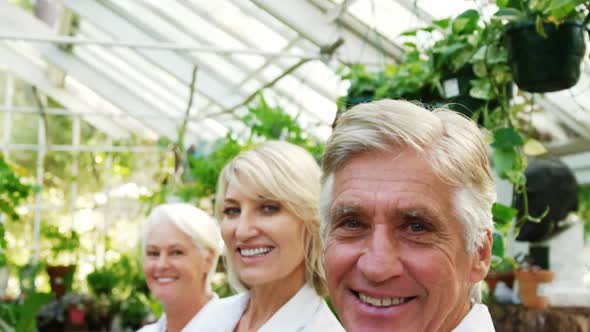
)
(201, 228)
(451, 143)
(288, 174)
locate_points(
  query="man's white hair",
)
(201, 228)
(451, 143)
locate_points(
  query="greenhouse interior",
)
(111, 108)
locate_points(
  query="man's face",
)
(395, 254)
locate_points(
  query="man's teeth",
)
(254, 251)
(386, 302)
(166, 279)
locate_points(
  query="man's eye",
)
(176, 253)
(417, 227)
(352, 223)
(231, 211)
(152, 253)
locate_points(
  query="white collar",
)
(478, 319)
(297, 312)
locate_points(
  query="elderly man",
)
(406, 219)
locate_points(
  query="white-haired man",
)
(406, 219)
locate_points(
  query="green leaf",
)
(443, 24)
(466, 22)
(503, 214)
(504, 161)
(479, 69)
(510, 14)
(409, 33)
(501, 3)
(562, 9)
(497, 245)
(507, 138)
(539, 27)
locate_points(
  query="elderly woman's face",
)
(395, 255)
(265, 240)
(175, 269)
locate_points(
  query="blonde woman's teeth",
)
(254, 251)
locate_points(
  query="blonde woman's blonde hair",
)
(451, 143)
(286, 173)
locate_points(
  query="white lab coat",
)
(195, 324)
(306, 311)
(478, 319)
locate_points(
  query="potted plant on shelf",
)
(529, 276)
(62, 244)
(64, 313)
(547, 34)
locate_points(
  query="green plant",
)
(12, 192)
(469, 47)
(202, 168)
(21, 317)
(584, 208)
(101, 282)
(12, 189)
(540, 11)
(134, 310)
(63, 244)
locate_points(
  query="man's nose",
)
(380, 260)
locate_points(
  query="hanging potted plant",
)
(552, 195)
(545, 41)
(469, 65)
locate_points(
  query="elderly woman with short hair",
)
(267, 207)
(181, 245)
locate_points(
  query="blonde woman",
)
(267, 207)
(181, 249)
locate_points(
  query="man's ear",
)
(482, 257)
(209, 259)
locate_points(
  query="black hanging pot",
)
(545, 64)
(456, 87)
(550, 184)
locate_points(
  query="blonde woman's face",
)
(265, 240)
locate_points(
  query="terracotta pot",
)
(528, 281)
(494, 277)
(58, 278)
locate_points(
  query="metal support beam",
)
(16, 20)
(81, 148)
(42, 150)
(74, 168)
(28, 71)
(8, 99)
(67, 40)
(313, 23)
(570, 122)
